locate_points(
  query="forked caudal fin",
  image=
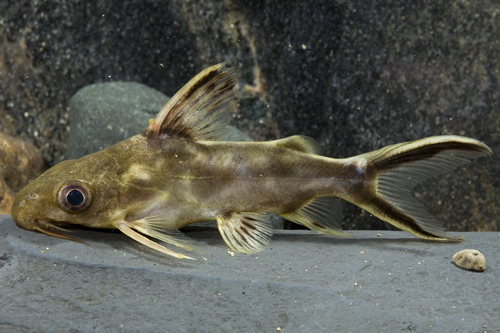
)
(394, 171)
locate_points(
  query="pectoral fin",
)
(245, 232)
(127, 230)
(199, 110)
(158, 227)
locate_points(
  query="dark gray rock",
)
(106, 113)
(356, 75)
(302, 282)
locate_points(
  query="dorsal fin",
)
(300, 143)
(199, 110)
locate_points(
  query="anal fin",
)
(245, 232)
(321, 214)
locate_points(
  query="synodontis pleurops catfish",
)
(177, 173)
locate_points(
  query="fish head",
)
(73, 192)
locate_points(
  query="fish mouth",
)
(50, 229)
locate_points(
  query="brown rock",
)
(20, 162)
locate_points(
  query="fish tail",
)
(392, 172)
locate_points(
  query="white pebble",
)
(470, 259)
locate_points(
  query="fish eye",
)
(74, 198)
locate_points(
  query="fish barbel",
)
(178, 173)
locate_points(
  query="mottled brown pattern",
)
(20, 162)
(153, 182)
(337, 71)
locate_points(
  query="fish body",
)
(178, 173)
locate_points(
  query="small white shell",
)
(470, 259)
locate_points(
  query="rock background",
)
(355, 75)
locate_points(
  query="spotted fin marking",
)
(245, 232)
(199, 110)
(127, 230)
(321, 214)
